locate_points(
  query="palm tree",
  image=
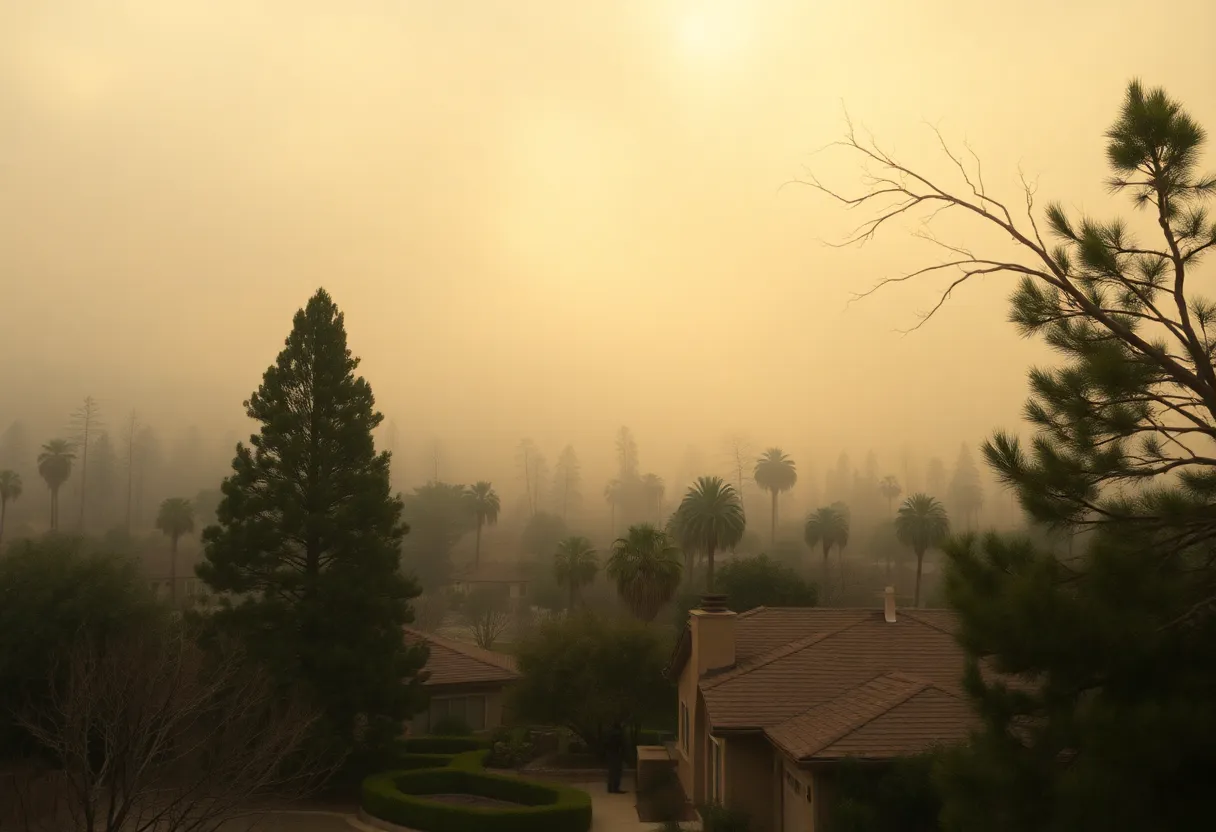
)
(10, 489)
(612, 493)
(653, 489)
(890, 488)
(710, 516)
(775, 473)
(55, 466)
(921, 524)
(175, 518)
(646, 568)
(575, 565)
(827, 527)
(484, 504)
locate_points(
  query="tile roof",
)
(789, 661)
(454, 662)
(888, 716)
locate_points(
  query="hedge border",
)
(444, 745)
(383, 798)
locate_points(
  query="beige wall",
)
(750, 785)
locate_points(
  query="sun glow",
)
(709, 32)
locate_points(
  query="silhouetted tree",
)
(626, 454)
(532, 471)
(645, 566)
(920, 525)
(542, 533)
(966, 493)
(575, 566)
(709, 517)
(652, 492)
(438, 516)
(484, 504)
(55, 466)
(103, 479)
(10, 490)
(775, 473)
(174, 518)
(86, 421)
(827, 528)
(566, 481)
(309, 538)
(889, 487)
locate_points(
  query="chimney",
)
(888, 605)
(712, 628)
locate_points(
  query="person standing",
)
(614, 746)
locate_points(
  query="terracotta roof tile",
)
(455, 662)
(824, 654)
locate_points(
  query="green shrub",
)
(444, 745)
(470, 760)
(717, 818)
(452, 726)
(400, 797)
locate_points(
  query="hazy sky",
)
(541, 217)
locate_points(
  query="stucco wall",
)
(749, 781)
(495, 699)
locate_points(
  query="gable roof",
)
(454, 662)
(789, 661)
(888, 716)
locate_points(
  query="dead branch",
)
(154, 734)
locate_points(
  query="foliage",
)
(50, 595)
(400, 797)
(510, 749)
(775, 473)
(896, 797)
(890, 489)
(444, 745)
(710, 516)
(486, 611)
(542, 533)
(452, 726)
(761, 582)
(55, 466)
(307, 546)
(585, 672)
(484, 506)
(566, 481)
(646, 569)
(438, 517)
(575, 565)
(718, 818)
(175, 518)
(920, 525)
(827, 528)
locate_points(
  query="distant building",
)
(462, 681)
(511, 578)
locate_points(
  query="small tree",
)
(175, 518)
(586, 673)
(762, 582)
(487, 613)
(154, 735)
(827, 528)
(775, 473)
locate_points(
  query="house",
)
(509, 578)
(770, 700)
(463, 680)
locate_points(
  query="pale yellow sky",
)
(541, 217)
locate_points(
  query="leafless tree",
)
(86, 421)
(153, 734)
(431, 610)
(487, 613)
(533, 470)
(740, 456)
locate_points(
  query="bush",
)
(717, 818)
(400, 797)
(452, 726)
(444, 745)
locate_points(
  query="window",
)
(716, 790)
(472, 709)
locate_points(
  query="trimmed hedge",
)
(400, 797)
(444, 745)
